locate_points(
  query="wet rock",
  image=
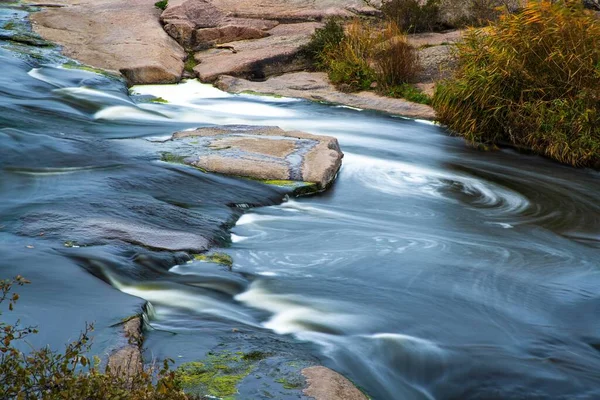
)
(257, 59)
(149, 236)
(126, 361)
(114, 35)
(316, 86)
(265, 153)
(326, 384)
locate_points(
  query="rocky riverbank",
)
(215, 40)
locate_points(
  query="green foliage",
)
(532, 80)
(161, 4)
(408, 92)
(217, 375)
(217, 258)
(47, 374)
(290, 384)
(348, 62)
(414, 15)
(171, 158)
(190, 63)
(396, 61)
(367, 54)
(323, 39)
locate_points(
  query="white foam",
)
(37, 74)
(402, 179)
(182, 93)
(85, 93)
(127, 113)
(236, 238)
(294, 314)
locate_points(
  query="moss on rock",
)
(218, 374)
(217, 258)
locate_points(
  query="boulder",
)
(114, 35)
(265, 153)
(276, 54)
(315, 86)
(208, 37)
(326, 384)
(199, 24)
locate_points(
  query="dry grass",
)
(366, 54)
(533, 80)
(396, 61)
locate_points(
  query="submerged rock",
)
(265, 153)
(326, 384)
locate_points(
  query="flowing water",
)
(429, 270)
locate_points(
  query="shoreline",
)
(145, 54)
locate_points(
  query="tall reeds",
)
(531, 79)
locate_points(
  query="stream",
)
(430, 270)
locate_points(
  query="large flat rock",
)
(117, 35)
(316, 86)
(265, 153)
(275, 54)
(294, 10)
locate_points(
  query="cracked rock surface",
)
(265, 153)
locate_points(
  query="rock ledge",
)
(265, 153)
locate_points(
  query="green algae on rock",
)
(218, 374)
(217, 258)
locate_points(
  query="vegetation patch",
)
(87, 68)
(218, 374)
(171, 158)
(161, 4)
(254, 93)
(190, 63)
(530, 80)
(217, 258)
(9, 26)
(414, 15)
(408, 92)
(159, 100)
(364, 54)
(71, 374)
(291, 384)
